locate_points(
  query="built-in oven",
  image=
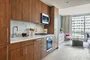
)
(49, 43)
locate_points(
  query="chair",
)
(67, 37)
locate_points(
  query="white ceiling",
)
(63, 3)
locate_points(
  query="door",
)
(3, 35)
(4, 21)
(29, 52)
(35, 11)
(3, 53)
(25, 9)
(4, 13)
(17, 54)
(16, 9)
(37, 50)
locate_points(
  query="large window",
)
(80, 26)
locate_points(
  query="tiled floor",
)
(67, 52)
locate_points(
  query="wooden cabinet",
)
(30, 52)
(37, 49)
(54, 17)
(44, 8)
(4, 21)
(4, 28)
(3, 53)
(4, 36)
(4, 13)
(22, 51)
(16, 9)
(25, 10)
(17, 54)
(35, 11)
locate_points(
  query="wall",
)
(24, 25)
(81, 9)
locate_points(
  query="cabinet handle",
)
(21, 52)
(7, 35)
(26, 50)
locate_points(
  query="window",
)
(80, 26)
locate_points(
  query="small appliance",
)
(45, 19)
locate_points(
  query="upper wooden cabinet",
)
(4, 21)
(44, 8)
(16, 9)
(4, 13)
(28, 10)
(35, 11)
(25, 10)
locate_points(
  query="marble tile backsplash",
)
(22, 26)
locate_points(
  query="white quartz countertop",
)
(21, 39)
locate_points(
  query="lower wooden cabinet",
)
(22, 52)
(3, 53)
(17, 54)
(37, 49)
(29, 53)
(29, 50)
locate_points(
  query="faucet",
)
(13, 33)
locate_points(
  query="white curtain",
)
(67, 24)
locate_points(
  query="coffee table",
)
(77, 42)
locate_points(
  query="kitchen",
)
(28, 29)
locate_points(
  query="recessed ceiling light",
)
(67, 2)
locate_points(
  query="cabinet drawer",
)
(25, 43)
(20, 44)
(14, 46)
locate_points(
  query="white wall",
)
(81, 9)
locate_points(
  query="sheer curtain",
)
(67, 24)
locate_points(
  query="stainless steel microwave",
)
(45, 19)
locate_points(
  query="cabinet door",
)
(30, 8)
(17, 54)
(16, 9)
(29, 52)
(37, 50)
(44, 8)
(4, 13)
(3, 35)
(3, 53)
(35, 11)
(25, 9)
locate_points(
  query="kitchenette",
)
(29, 29)
(31, 37)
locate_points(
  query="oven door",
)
(49, 44)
